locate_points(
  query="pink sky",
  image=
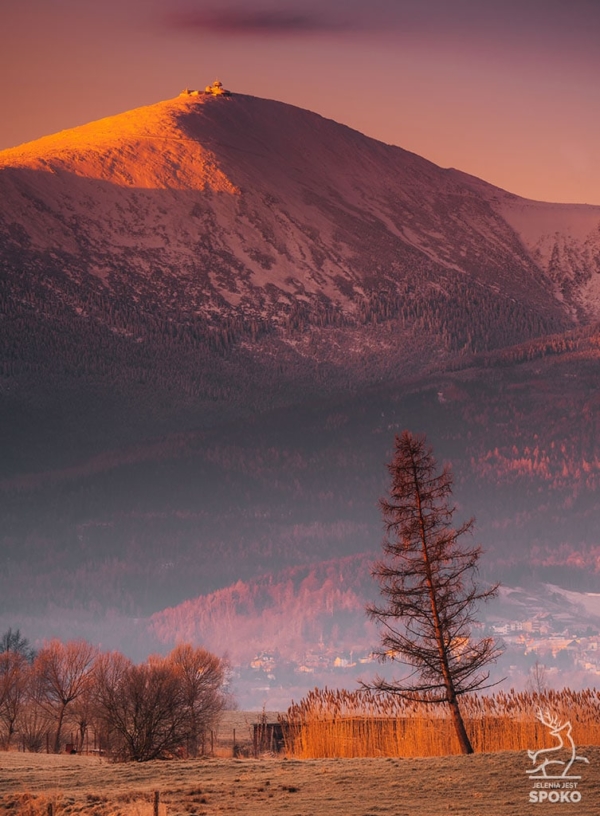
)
(508, 91)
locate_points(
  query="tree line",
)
(73, 695)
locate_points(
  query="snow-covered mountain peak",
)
(144, 148)
(244, 206)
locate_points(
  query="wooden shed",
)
(268, 738)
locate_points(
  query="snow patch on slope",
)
(563, 240)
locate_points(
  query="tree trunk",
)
(58, 730)
(461, 731)
(81, 738)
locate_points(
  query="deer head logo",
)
(559, 759)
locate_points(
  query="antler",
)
(546, 719)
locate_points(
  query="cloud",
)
(275, 22)
(535, 23)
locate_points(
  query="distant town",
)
(567, 646)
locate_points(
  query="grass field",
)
(478, 785)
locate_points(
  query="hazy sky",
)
(508, 91)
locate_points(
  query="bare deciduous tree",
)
(537, 681)
(160, 707)
(140, 706)
(16, 643)
(34, 721)
(427, 581)
(14, 680)
(201, 675)
(81, 713)
(65, 672)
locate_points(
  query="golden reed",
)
(340, 723)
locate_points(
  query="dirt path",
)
(480, 785)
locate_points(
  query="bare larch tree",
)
(427, 580)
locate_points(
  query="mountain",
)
(240, 204)
(216, 314)
(209, 257)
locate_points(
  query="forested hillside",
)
(153, 524)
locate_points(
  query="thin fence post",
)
(212, 742)
(234, 750)
(156, 802)
(50, 809)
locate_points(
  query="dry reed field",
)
(477, 785)
(338, 723)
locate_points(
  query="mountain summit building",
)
(216, 89)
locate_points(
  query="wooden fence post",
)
(156, 802)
